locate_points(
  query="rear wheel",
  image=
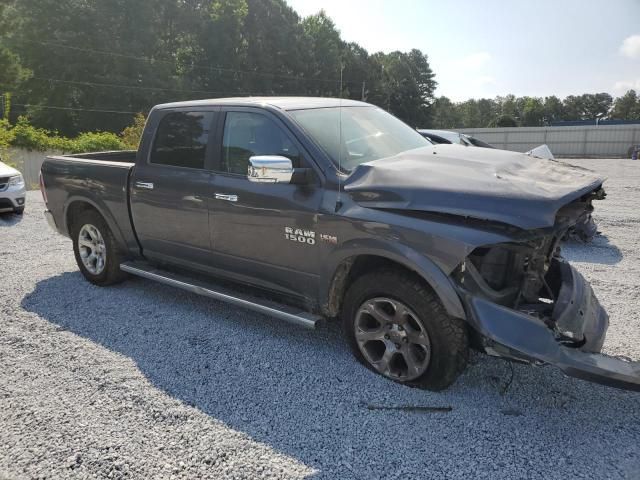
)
(397, 327)
(96, 250)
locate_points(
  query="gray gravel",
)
(145, 381)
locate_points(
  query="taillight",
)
(42, 190)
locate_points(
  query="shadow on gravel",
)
(9, 219)
(302, 393)
(599, 250)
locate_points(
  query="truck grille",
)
(4, 182)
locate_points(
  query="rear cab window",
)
(181, 139)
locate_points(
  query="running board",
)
(210, 289)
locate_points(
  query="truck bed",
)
(100, 179)
(124, 156)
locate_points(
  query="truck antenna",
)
(338, 196)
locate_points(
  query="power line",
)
(51, 107)
(138, 87)
(205, 67)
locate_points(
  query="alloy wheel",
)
(392, 338)
(93, 251)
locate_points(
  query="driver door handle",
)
(145, 185)
(228, 198)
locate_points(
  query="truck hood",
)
(486, 184)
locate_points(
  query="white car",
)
(12, 190)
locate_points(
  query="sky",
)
(485, 48)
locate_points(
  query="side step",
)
(210, 289)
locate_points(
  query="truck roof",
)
(283, 103)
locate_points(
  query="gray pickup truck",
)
(312, 208)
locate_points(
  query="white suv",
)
(12, 190)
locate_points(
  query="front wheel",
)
(397, 327)
(96, 250)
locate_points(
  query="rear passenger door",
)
(170, 188)
(250, 221)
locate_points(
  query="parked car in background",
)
(422, 251)
(446, 136)
(12, 190)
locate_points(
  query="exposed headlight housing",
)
(16, 181)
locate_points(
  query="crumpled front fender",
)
(517, 335)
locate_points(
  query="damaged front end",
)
(528, 304)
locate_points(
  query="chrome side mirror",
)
(270, 169)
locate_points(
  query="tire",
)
(441, 356)
(108, 271)
(19, 211)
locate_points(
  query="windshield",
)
(368, 133)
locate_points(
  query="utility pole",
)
(363, 97)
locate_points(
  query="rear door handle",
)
(145, 185)
(228, 198)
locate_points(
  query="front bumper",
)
(12, 198)
(513, 334)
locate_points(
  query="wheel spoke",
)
(418, 338)
(369, 335)
(414, 366)
(400, 316)
(373, 310)
(86, 243)
(383, 364)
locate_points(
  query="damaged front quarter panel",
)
(519, 295)
(529, 304)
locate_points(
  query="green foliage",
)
(157, 51)
(25, 135)
(532, 111)
(96, 142)
(6, 134)
(133, 133)
(504, 121)
(627, 107)
(68, 60)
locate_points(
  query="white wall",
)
(28, 162)
(603, 141)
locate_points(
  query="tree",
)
(444, 114)
(324, 60)
(626, 107)
(504, 121)
(573, 108)
(596, 105)
(532, 112)
(587, 106)
(12, 73)
(553, 109)
(406, 86)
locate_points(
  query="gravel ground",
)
(145, 381)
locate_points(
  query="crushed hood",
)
(486, 184)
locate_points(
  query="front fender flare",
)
(397, 253)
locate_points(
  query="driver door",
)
(251, 222)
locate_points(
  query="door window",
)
(182, 139)
(247, 134)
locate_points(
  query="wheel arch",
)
(350, 263)
(76, 205)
